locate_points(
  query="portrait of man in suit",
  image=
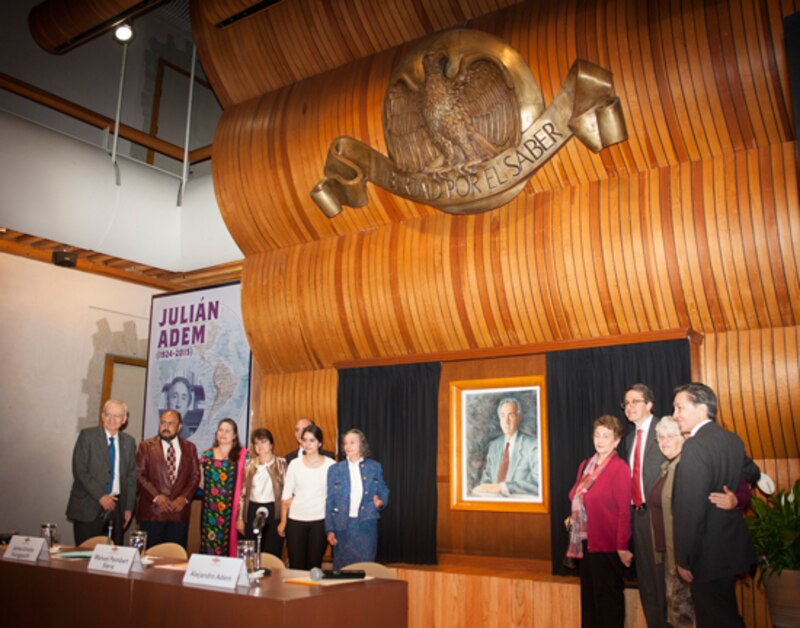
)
(104, 476)
(512, 462)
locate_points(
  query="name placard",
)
(27, 548)
(220, 572)
(115, 559)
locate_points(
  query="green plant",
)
(775, 528)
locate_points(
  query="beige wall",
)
(57, 325)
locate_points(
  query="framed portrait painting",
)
(498, 432)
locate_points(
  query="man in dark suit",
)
(168, 473)
(299, 428)
(104, 476)
(712, 545)
(638, 407)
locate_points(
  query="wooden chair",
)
(95, 540)
(270, 561)
(167, 550)
(376, 570)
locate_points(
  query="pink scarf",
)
(578, 531)
(237, 494)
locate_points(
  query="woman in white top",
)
(303, 506)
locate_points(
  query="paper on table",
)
(325, 583)
(173, 566)
(76, 554)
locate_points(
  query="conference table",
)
(63, 593)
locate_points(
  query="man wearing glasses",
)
(104, 476)
(642, 453)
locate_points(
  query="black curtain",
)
(397, 408)
(582, 385)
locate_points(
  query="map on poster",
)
(198, 362)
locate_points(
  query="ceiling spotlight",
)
(123, 33)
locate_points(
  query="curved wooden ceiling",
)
(294, 40)
(695, 85)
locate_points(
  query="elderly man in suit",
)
(104, 476)
(511, 467)
(168, 473)
(640, 449)
(712, 545)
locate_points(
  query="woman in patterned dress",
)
(221, 483)
(356, 494)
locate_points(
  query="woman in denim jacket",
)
(356, 494)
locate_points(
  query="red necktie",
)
(636, 478)
(171, 462)
(501, 473)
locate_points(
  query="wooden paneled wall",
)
(497, 593)
(466, 591)
(756, 374)
(279, 400)
(671, 248)
(696, 80)
(297, 39)
(513, 534)
(691, 223)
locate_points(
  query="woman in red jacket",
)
(600, 527)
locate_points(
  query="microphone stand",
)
(258, 548)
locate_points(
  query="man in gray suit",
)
(638, 407)
(712, 545)
(512, 462)
(104, 476)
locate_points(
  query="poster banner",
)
(198, 362)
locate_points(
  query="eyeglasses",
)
(632, 402)
(663, 437)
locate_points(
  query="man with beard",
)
(167, 473)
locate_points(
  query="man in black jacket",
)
(712, 545)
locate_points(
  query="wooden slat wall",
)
(691, 223)
(456, 597)
(302, 38)
(664, 250)
(714, 85)
(492, 597)
(756, 375)
(280, 400)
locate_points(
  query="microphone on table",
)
(316, 574)
(261, 517)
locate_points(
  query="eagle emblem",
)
(466, 126)
(462, 112)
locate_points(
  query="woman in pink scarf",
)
(600, 527)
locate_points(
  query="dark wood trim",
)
(42, 97)
(531, 349)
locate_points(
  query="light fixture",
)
(123, 33)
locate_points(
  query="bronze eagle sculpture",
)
(464, 111)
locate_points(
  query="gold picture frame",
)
(477, 441)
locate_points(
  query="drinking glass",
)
(138, 539)
(246, 550)
(49, 533)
